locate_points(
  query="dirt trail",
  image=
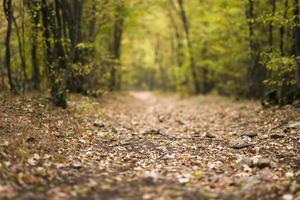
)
(147, 146)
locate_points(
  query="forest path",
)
(167, 147)
(143, 145)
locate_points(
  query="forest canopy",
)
(246, 48)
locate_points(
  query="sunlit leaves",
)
(282, 70)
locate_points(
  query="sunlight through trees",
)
(244, 48)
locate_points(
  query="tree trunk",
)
(92, 22)
(55, 55)
(282, 28)
(178, 44)
(21, 52)
(190, 46)
(273, 3)
(72, 13)
(35, 17)
(7, 5)
(256, 73)
(297, 40)
(115, 76)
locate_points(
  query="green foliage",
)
(96, 45)
(212, 26)
(281, 69)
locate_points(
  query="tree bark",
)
(115, 76)
(282, 28)
(52, 24)
(35, 17)
(190, 46)
(21, 52)
(72, 15)
(178, 37)
(297, 40)
(273, 3)
(7, 5)
(256, 73)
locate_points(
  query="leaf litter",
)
(148, 146)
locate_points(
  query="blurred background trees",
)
(246, 48)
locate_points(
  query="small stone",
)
(239, 144)
(247, 168)
(99, 124)
(261, 163)
(209, 135)
(180, 122)
(161, 119)
(293, 125)
(5, 144)
(77, 165)
(289, 174)
(250, 134)
(288, 197)
(183, 180)
(246, 139)
(134, 123)
(244, 161)
(33, 161)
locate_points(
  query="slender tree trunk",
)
(206, 83)
(273, 3)
(52, 23)
(178, 37)
(256, 73)
(115, 75)
(282, 28)
(92, 22)
(46, 34)
(158, 61)
(7, 5)
(59, 71)
(177, 43)
(23, 44)
(72, 15)
(250, 16)
(2, 76)
(35, 17)
(21, 52)
(190, 46)
(297, 40)
(281, 48)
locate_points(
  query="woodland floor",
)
(143, 145)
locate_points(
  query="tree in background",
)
(117, 29)
(34, 12)
(186, 27)
(7, 6)
(256, 72)
(192, 47)
(66, 37)
(281, 60)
